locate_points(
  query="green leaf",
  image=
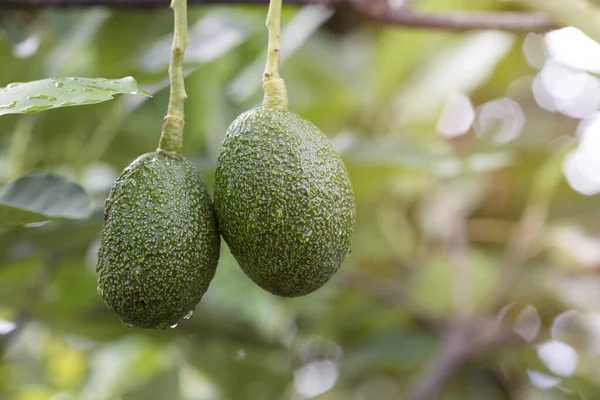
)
(41, 197)
(45, 94)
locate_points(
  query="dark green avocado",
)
(160, 243)
(284, 201)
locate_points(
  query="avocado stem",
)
(171, 139)
(273, 85)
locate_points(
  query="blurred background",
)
(475, 159)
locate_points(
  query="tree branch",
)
(531, 225)
(463, 340)
(457, 247)
(403, 16)
(463, 21)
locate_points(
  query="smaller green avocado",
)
(160, 243)
(284, 201)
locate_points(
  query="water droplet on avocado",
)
(306, 236)
(13, 85)
(173, 326)
(189, 315)
(127, 324)
(59, 84)
(140, 306)
(162, 326)
(348, 252)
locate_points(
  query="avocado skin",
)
(160, 243)
(284, 201)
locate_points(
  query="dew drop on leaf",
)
(33, 109)
(42, 97)
(8, 106)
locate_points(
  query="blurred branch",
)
(582, 14)
(457, 246)
(466, 338)
(463, 340)
(531, 225)
(460, 20)
(401, 16)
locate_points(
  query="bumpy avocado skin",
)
(160, 243)
(284, 202)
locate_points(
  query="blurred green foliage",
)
(377, 92)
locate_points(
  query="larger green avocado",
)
(160, 243)
(284, 202)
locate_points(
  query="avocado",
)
(284, 201)
(160, 243)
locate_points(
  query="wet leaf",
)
(41, 197)
(45, 94)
